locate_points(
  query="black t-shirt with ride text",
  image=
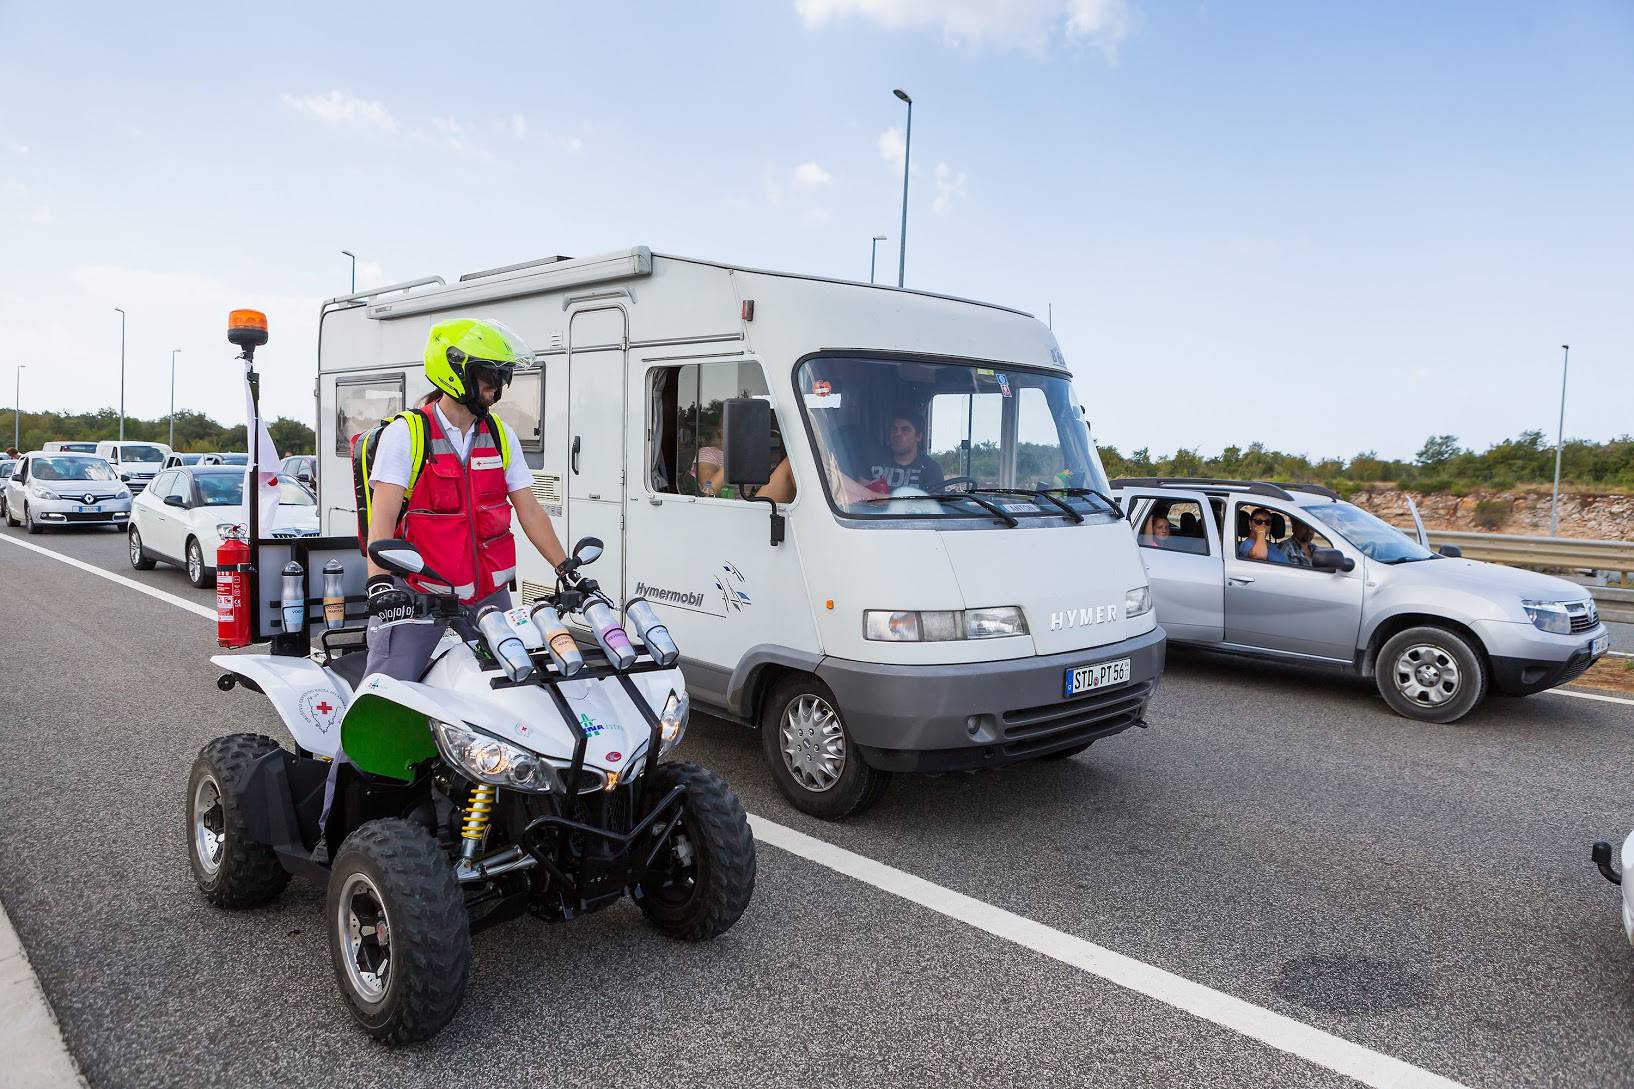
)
(922, 473)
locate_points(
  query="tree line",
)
(1441, 465)
(195, 432)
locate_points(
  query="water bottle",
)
(334, 594)
(502, 641)
(563, 650)
(652, 631)
(294, 597)
(610, 634)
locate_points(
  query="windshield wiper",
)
(1078, 493)
(954, 497)
(1066, 509)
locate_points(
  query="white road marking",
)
(1268, 1027)
(1590, 696)
(1273, 1029)
(169, 599)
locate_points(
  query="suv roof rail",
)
(1256, 487)
(1316, 489)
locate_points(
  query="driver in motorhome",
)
(471, 477)
(899, 464)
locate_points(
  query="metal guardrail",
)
(1615, 602)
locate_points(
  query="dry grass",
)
(1609, 674)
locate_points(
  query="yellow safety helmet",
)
(461, 350)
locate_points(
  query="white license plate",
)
(1598, 647)
(1081, 679)
(93, 509)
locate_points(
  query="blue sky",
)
(1327, 227)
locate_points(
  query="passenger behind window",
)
(899, 464)
(1259, 544)
(1156, 532)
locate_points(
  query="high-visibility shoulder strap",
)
(419, 429)
(367, 488)
(501, 439)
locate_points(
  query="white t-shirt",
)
(391, 459)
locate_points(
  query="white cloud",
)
(949, 188)
(810, 174)
(1026, 24)
(343, 108)
(571, 144)
(15, 148)
(892, 147)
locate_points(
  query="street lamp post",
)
(173, 352)
(121, 374)
(17, 411)
(873, 247)
(353, 256)
(907, 148)
(1560, 439)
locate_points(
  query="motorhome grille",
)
(547, 488)
(1079, 720)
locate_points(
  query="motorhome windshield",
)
(1378, 539)
(898, 438)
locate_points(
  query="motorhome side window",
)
(362, 403)
(941, 439)
(685, 413)
(523, 407)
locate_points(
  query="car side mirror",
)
(306, 478)
(1331, 559)
(175, 501)
(746, 451)
(1451, 551)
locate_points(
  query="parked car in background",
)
(61, 489)
(7, 467)
(303, 467)
(224, 459)
(57, 446)
(175, 460)
(135, 462)
(1294, 573)
(184, 514)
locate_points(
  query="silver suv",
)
(1292, 572)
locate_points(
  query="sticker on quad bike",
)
(319, 708)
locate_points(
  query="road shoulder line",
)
(141, 588)
(36, 1055)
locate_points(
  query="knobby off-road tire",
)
(231, 869)
(1430, 674)
(139, 559)
(393, 871)
(809, 750)
(710, 859)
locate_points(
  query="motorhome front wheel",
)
(812, 758)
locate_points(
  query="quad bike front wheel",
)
(704, 876)
(399, 936)
(230, 868)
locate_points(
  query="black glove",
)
(388, 603)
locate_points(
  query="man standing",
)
(469, 477)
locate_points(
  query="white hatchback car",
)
(59, 489)
(183, 515)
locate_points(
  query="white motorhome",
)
(963, 599)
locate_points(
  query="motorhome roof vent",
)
(514, 268)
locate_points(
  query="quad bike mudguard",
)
(311, 700)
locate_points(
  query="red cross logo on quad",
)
(317, 710)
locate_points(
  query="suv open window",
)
(1288, 540)
(1175, 525)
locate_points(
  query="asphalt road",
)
(1423, 891)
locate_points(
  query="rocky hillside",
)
(1599, 516)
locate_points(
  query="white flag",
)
(266, 490)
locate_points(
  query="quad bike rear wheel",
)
(704, 876)
(230, 868)
(399, 935)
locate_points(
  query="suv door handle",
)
(1239, 580)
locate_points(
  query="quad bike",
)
(521, 774)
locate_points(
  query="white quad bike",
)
(494, 786)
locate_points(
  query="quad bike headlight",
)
(490, 760)
(672, 724)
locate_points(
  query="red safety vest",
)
(459, 514)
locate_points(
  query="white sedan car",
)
(183, 515)
(65, 490)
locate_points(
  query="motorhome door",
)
(596, 339)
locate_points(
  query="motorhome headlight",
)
(940, 625)
(42, 492)
(672, 724)
(490, 760)
(1137, 601)
(1549, 616)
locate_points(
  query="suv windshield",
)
(1378, 540)
(915, 438)
(71, 468)
(129, 453)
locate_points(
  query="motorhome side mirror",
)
(398, 557)
(588, 550)
(175, 501)
(1452, 552)
(746, 441)
(1331, 559)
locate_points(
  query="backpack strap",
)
(419, 433)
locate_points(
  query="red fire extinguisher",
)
(233, 592)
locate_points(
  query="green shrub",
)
(1431, 484)
(1490, 514)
